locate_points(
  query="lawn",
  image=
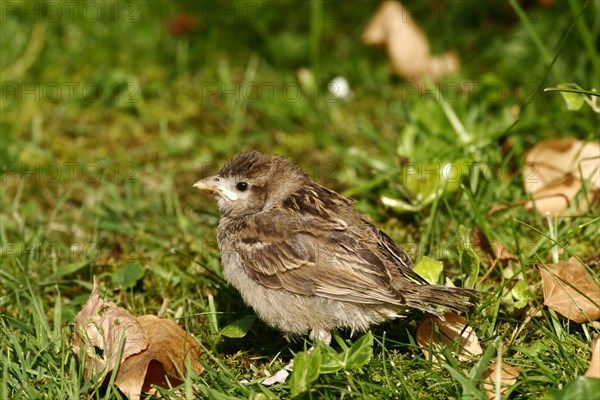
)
(112, 110)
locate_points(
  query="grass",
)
(107, 121)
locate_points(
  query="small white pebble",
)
(340, 88)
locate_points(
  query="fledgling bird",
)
(305, 260)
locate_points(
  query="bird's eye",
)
(242, 186)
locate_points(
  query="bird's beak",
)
(215, 185)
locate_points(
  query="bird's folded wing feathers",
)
(314, 259)
(398, 257)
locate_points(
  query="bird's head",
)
(252, 182)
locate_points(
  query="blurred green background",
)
(156, 83)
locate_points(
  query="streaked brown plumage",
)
(305, 260)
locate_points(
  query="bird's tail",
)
(458, 299)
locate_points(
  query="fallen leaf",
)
(555, 172)
(168, 348)
(494, 252)
(593, 370)
(407, 46)
(506, 374)
(99, 328)
(155, 351)
(437, 333)
(482, 245)
(552, 159)
(571, 291)
(502, 253)
(556, 197)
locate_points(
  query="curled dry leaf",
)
(502, 253)
(495, 252)
(555, 172)
(168, 348)
(406, 44)
(99, 328)
(593, 370)
(437, 333)
(155, 350)
(571, 291)
(506, 375)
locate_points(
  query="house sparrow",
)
(305, 260)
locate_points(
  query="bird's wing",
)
(397, 257)
(312, 255)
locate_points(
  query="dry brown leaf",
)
(406, 44)
(507, 375)
(454, 326)
(99, 329)
(571, 291)
(152, 347)
(481, 244)
(169, 347)
(494, 252)
(593, 370)
(555, 171)
(502, 253)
